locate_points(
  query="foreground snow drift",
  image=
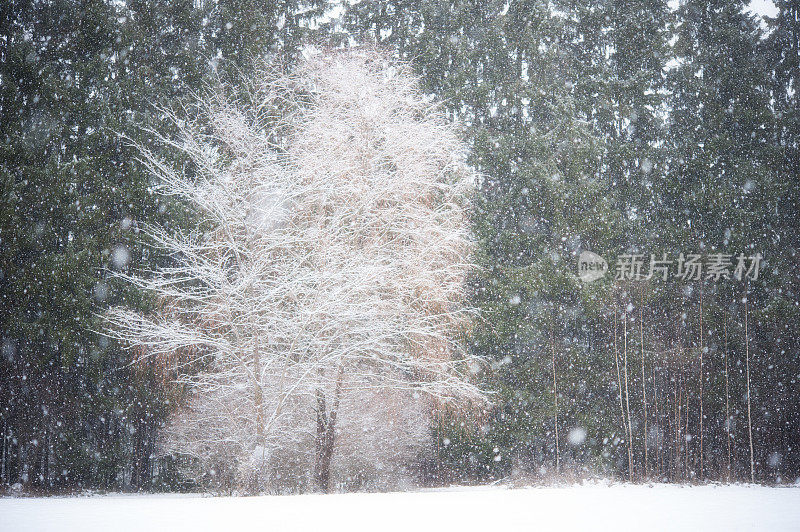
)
(590, 507)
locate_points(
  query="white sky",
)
(763, 7)
(759, 7)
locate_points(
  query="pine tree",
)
(78, 76)
(727, 190)
(508, 74)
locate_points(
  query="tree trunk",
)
(702, 378)
(3, 479)
(688, 435)
(619, 389)
(679, 438)
(749, 417)
(657, 417)
(677, 428)
(324, 446)
(258, 399)
(326, 426)
(644, 386)
(555, 398)
(627, 394)
(727, 402)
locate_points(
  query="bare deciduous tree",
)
(322, 289)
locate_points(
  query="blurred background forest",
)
(611, 126)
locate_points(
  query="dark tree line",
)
(76, 78)
(623, 128)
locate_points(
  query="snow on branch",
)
(326, 274)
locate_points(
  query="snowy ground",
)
(588, 507)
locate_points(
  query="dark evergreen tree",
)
(511, 75)
(575, 123)
(79, 80)
(730, 192)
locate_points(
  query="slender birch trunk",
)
(680, 436)
(675, 427)
(659, 428)
(555, 397)
(688, 435)
(3, 462)
(627, 394)
(644, 388)
(619, 389)
(749, 416)
(702, 378)
(677, 409)
(727, 402)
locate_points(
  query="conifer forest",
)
(281, 247)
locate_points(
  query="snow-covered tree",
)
(320, 297)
